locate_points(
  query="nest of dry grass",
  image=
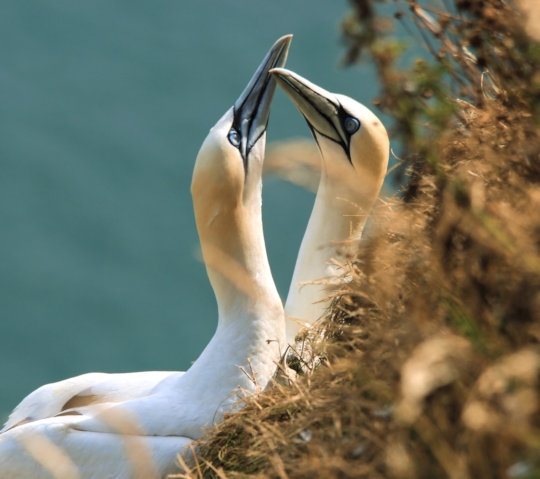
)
(431, 352)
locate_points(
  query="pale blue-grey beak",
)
(322, 110)
(252, 109)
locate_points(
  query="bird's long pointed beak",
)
(319, 107)
(252, 109)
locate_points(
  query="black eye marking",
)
(234, 138)
(351, 125)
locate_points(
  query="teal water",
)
(103, 106)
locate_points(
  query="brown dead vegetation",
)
(430, 362)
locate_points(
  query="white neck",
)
(251, 327)
(339, 214)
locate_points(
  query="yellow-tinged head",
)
(227, 173)
(229, 163)
(353, 142)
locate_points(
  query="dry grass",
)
(431, 357)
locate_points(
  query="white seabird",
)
(133, 425)
(354, 149)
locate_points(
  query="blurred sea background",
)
(104, 105)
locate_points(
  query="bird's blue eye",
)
(234, 137)
(351, 125)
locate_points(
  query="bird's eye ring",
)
(351, 125)
(234, 138)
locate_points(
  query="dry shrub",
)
(431, 361)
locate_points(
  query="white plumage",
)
(354, 149)
(162, 411)
(133, 425)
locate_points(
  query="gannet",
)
(354, 149)
(134, 425)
